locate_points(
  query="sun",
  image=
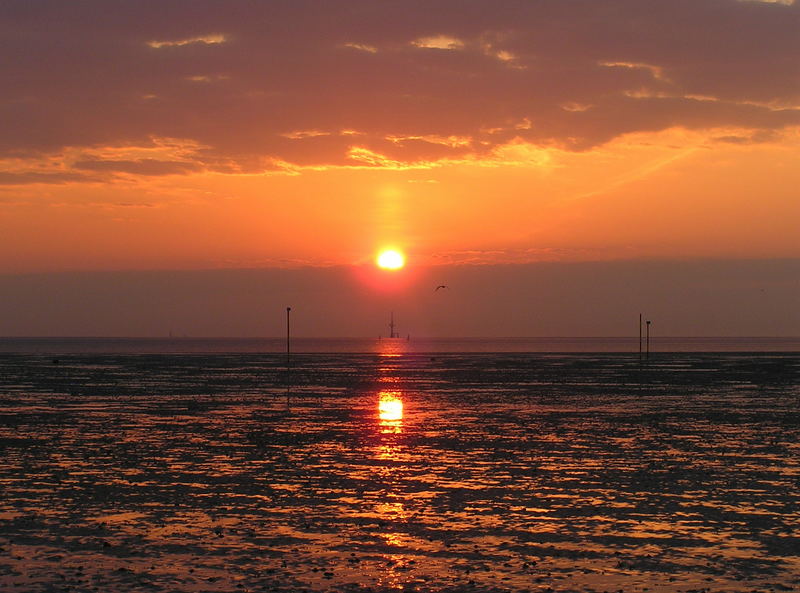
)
(391, 259)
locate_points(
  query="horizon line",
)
(420, 337)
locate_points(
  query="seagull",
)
(440, 286)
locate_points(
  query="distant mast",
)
(392, 332)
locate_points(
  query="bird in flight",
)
(440, 286)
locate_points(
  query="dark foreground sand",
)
(501, 473)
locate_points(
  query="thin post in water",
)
(648, 340)
(288, 350)
(640, 337)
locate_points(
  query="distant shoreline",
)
(229, 345)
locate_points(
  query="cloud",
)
(260, 86)
(32, 177)
(438, 42)
(746, 138)
(147, 167)
(205, 39)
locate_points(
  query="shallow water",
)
(400, 471)
(187, 345)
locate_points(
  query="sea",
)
(394, 465)
(189, 345)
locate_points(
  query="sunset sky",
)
(147, 140)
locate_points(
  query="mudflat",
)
(400, 471)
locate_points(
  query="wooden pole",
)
(640, 337)
(288, 350)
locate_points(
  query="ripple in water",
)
(404, 471)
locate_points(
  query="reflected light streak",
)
(386, 452)
(393, 513)
(390, 407)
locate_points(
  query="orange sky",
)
(294, 134)
(673, 194)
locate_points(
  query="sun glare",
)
(391, 259)
(390, 406)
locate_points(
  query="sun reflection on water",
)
(392, 510)
(390, 406)
(390, 411)
(394, 514)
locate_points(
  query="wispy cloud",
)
(361, 47)
(438, 42)
(213, 39)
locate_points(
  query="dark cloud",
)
(31, 177)
(755, 138)
(140, 167)
(254, 82)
